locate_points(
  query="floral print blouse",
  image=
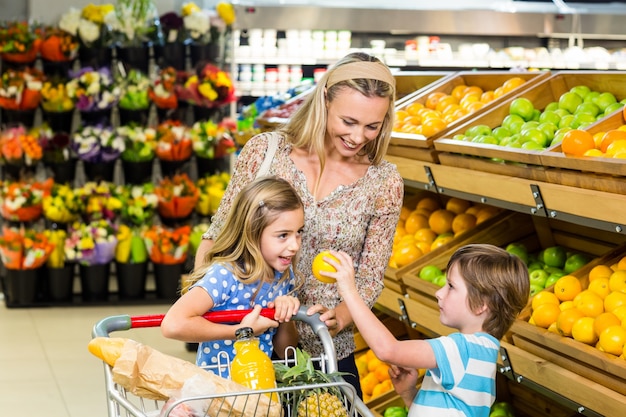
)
(359, 219)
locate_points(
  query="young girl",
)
(486, 289)
(250, 266)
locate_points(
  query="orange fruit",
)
(612, 340)
(414, 108)
(616, 149)
(463, 222)
(600, 286)
(567, 287)
(472, 107)
(429, 203)
(544, 297)
(374, 363)
(382, 372)
(401, 115)
(319, 264)
(622, 263)
(486, 213)
(405, 254)
(512, 83)
(487, 96)
(433, 125)
(619, 311)
(610, 137)
(617, 280)
(545, 314)
(605, 320)
(440, 221)
(469, 99)
(582, 331)
(566, 320)
(425, 235)
(445, 102)
(473, 89)
(369, 355)
(576, 142)
(414, 222)
(589, 303)
(597, 139)
(425, 247)
(433, 99)
(599, 271)
(404, 213)
(459, 91)
(368, 382)
(614, 300)
(441, 240)
(457, 205)
(566, 304)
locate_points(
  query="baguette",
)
(109, 349)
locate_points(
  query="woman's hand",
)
(285, 307)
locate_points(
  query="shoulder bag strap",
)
(272, 145)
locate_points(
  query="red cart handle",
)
(226, 316)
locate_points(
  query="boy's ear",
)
(480, 310)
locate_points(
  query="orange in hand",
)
(319, 264)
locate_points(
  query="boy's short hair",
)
(494, 278)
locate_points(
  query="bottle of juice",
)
(251, 367)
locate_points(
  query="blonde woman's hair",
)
(307, 126)
(495, 278)
(256, 206)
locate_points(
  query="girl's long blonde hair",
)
(307, 127)
(239, 243)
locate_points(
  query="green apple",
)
(513, 123)
(459, 136)
(604, 100)
(581, 90)
(501, 132)
(552, 106)
(534, 289)
(553, 278)
(549, 129)
(570, 101)
(612, 109)
(440, 281)
(538, 277)
(590, 108)
(536, 135)
(519, 250)
(575, 262)
(486, 139)
(550, 117)
(582, 120)
(502, 407)
(522, 107)
(534, 265)
(591, 97)
(531, 145)
(554, 256)
(566, 121)
(478, 130)
(430, 272)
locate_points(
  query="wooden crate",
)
(512, 169)
(487, 80)
(409, 82)
(587, 361)
(378, 405)
(541, 94)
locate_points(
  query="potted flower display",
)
(22, 200)
(61, 206)
(207, 91)
(172, 50)
(174, 147)
(135, 26)
(58, 50)
(89, 25)
(23, 253)
(20, 95)
(134, 104)
(162, 92)
(207, 30)
(58, 156)
(20, 152)
(139, 152)
(131, 263)
(138, 203)
(168, 250)
(211, 190)
(98, 147)
(59, 272)
(212, 144)
(92, 246)
(19, 44)
(95, 94)
(177, 196)
(99, 201)
(57, 105)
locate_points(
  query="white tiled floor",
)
(45, 367)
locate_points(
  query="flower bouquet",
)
(19, 149)
(58, 49)
(134, 104)
(59, 271)
(94, 93)
(207, 90)
(167, 245)
(162, 92)
(58, 106)
(211, 191)
(57, 154)
(19, 43)
(195, 237)
(92, 246)
(22, 201)
(177, 197)
(20, 95)
(62, 205)
(98, 147)
(207, 30)
(139, 203)
(99, 201)
(171, 51)
(131, 262)
(139, 152)
(212, 143)
(24, 248)
(174, 147)
(90, 27)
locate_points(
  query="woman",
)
(332, 152)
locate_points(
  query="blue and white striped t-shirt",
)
(464, 382)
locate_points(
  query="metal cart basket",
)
(122, 403)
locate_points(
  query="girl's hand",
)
(285, 307)
(259, 323)
(345, 275)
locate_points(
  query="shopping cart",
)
(122, 403)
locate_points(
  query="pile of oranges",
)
(440, 109)
(430, 224)
(609, 144)
(595, 315)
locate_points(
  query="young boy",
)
(486, 288)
